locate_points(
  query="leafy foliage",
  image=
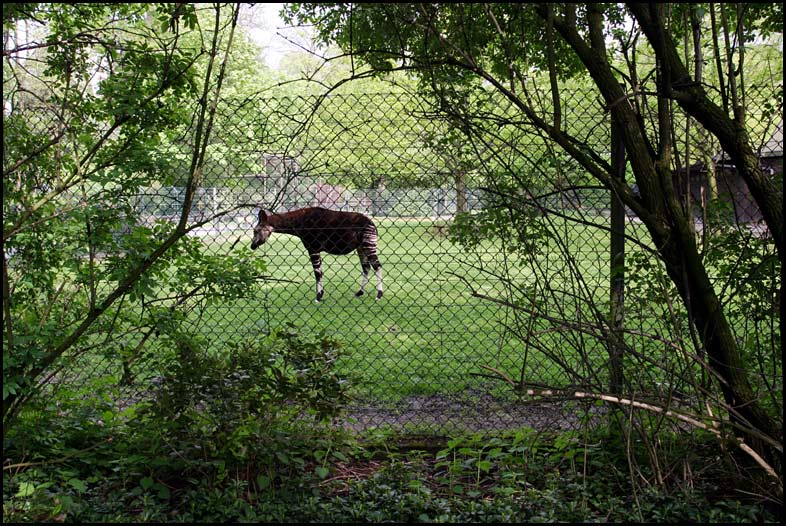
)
(518, 477)
(517, 228)
(258, 410)
(526, 54)
(374, 32)
(91, 114)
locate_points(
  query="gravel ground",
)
(473, 412)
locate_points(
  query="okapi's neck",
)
(286, 223)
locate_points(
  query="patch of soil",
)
(470, 411)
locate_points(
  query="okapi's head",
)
(262, 230)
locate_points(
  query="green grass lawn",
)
(427, 334)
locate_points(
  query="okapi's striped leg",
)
(368, 261)
(373, 262)
(365, 266)
(316, 262)
(368, 257)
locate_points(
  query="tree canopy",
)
(645, 63)
(94, 97)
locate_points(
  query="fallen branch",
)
(712, 427)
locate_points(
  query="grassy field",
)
(427, 334)
(429, 339)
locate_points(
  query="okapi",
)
(323, 230)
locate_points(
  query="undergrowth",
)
(248, 437)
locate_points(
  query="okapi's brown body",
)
(323, 230)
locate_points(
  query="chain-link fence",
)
(453, 331)
(477, 302)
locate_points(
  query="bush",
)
(246, 436)
(216, 430)
(229, 407)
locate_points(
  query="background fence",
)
(433, 354)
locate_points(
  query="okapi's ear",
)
(264, 215)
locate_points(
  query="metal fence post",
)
(617, 258)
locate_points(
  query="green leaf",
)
(146, 483)
(263, 481)
(8, 388)
(25, 489)
(322, 472)
(78, 485)
(163, 491)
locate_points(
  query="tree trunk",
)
(684, 266)
(460, 179)
(732, 135)
(660, 209)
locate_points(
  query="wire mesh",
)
(433, 354)
(458, 324)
